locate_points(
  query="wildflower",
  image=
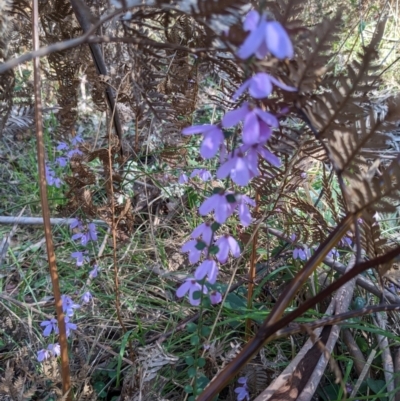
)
(223, 204)
(86, 297)
(89, 235)
(77, 140)
(51, 177)
(183, 179)
(265, 37)
(215, 297)
(208, 268)
(69, 326)
(205, 231)
(259, 150)
(333, 253)
(192, 246)
(94, 272)
(43, 354)
(49, 325)
(299, 253)
(203, 174)
(238, 168)
(242, 202)
(61, 161)
(54, 349)
(92, 232)
(68, 305)
(242, 391)
(225, 244)
(260, 86)
(191, 286)
(76, 223)
(80, 258)
(253, 118)
(62, 146)
(213, 137)
(74, 152)
(346, 241)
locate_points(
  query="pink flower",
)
(205, 231)
(213, 138)
(256, 125)
(226, 244)
(208, 268)
(192, 247)
(191, 286)
(265, 37)
(260, 86)
(220, 204)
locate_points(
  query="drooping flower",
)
(205, 231)
(43, 354)
(215, 297)
(69, 326)
(333, 253)
(183, 179)
(76, 223)
(242, 202)
(238, 168)
(54, 349)
(256, 123)
(257, 150)
(61, 161)
(50, 326)
(260, 86)
(92, 232)
(74, 152)
(68, 305)
(265, 37)
(207, 269)
(220, 203)
(62, 146)
(202, 173)
(94, 272)
(80, 258)
(299, 253)
(86, 297)
(192, 246)
(191, 286)
(225, 245)
(242, 391)
(213, 137)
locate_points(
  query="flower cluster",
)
(65, 152)
(242, 391)
(206, 248)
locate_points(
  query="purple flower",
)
(346, 241)
(243, 210)
(54, 349)
(68, 305)
(74, 152)
(213, 137)
(86, 297)
(76, 223)
(208, 268)
(80, 258)
(49, 325)
(205, 231)
(191, 286)
(43, 354)
(94, 272)
(92, 232)
(256, 123)
(202, 173)
(77, 140)
(215, 297)
(242, 391)
(299, 253)
(238, 168)
(51, 178)
(259, 150)
(225, 244)
(69, 326)
(333, 253)
(183, 179)
(61, 161)
(192, 246)
(265, 37)
(220, 204)
(62, 146)
(260, 86)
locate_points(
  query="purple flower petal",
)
(277, 40)
(234, 116)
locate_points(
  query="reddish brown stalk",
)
(252, 270)
(65, 373)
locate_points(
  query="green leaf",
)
(192, 372)
(189, 360)
(234, 302)
(205, 331)
(215, 226)
(213, 250)
(376, 385)
(202, 382)
(191, 327)
(200, 245)
(201, 362)
(195, 339)
(188, 389)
